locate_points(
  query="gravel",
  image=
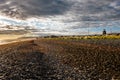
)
(38, 67)
(34, 65)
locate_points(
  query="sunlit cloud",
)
(62, 16)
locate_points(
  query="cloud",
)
(62, 15)
(32, 8)
(94, 10)
(87, 10)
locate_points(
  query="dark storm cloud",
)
(73, 14)
(95, 10)
(82, 10)
(28, 8)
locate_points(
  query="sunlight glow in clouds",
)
(52, 26)
(62, 16)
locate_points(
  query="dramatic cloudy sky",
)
(62, 16)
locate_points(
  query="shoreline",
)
(7, 38)
(3, 42)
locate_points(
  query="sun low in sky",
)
(65, 17)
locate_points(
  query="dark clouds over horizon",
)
(83, 10)
(33, 8)
(74, 14)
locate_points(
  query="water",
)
(3, 42)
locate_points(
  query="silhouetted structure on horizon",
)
(104, 32)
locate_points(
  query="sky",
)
(65, 17)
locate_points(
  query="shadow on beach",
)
(22, 62)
